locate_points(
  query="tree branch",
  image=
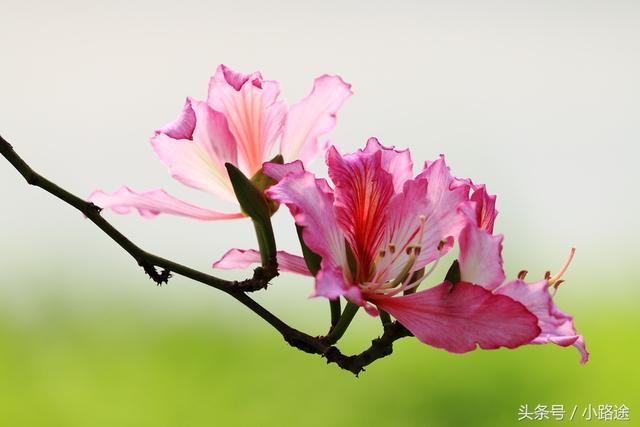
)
(380, 347)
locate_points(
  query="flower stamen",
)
(555, 280)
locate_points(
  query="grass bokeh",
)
(118, 366)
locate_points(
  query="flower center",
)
(409, 276)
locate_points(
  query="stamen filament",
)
(405, 271)
(564, 268)
(392, 248)
(407, 286)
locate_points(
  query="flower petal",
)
(255, 118)
(198, 160)
(362, 194)
(458, 319)
(403, 229)
(313, 117)
(236, 79)
(310, 201)
(442, 220)
(183, 126)
(557, 327)
(481, 257)
(330, 283)
(278, 171)
(397, 162)
(243, 258)
(481, 209)
(153, 203)
(433, 198)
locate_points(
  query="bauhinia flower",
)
(239, 123)
(481, 263)
(380, 233)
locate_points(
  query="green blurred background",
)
(537, 99)
(119, 364)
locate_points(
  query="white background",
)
(538, 99)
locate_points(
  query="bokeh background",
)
(537, 99)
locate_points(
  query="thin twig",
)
(380, 347)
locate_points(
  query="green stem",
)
(343, 323)
(335, 312)
(266, 242)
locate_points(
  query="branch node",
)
(260, 280)
(158, 277)
(94, 207)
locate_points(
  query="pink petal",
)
(310, 201)
(442, 221)
(153, 203)
(397, 162)
(481, 209)
(198, 161)
(403, 230)
(362, 194)
(313, 117)
(278, 171)
(481, 257)
(331, 284)
(237, 79)
(255, 118)
(556, 326)
(241, 258)
(183, 126)
(458, 319)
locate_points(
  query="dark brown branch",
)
(149, 262)
(380, 347)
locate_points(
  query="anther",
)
(441, 244)
(392, 248)
(522, 274)
(382, 253)
(547, 275)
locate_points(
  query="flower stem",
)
(343, 323)
(266, 242)
(385, 318)
(335, 312)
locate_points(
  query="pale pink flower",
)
(239, 123)
(379, 229)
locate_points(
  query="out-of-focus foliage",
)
(118, 367)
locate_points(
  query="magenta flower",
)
(379, 229)
(239, 123)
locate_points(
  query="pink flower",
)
(239, 123)
(379, 229)
(481, 263)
